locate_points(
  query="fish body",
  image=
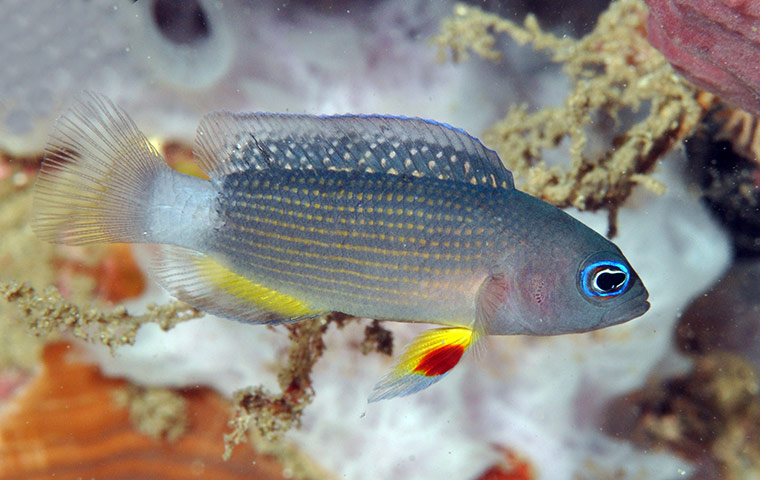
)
(383, 217)
(367, 244)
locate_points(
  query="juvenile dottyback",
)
(384, 217)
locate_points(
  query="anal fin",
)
(203, 282)
(425, 361)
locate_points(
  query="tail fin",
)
(96, 180)
(425, 361)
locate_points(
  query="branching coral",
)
(376, 338)
(18, 349)
(48, 313)
(83, 274)
(613, 69)
(274, 414)
(271, 415)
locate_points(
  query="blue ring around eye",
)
(590, 268)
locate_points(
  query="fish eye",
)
(605, 279)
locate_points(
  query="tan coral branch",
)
(612, 70)
(48, 313)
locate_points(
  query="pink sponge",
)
(713, 43)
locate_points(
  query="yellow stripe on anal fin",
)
(207, 284)
(425, 361)
(249, 291)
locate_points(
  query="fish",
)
(375, 216)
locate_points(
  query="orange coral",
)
(516, 468)
(181, 158)
(119, 277)
(116, 273)
(66, 424)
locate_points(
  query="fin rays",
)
(95, 180)
(429, 358)
(228, 143)
(199, 280)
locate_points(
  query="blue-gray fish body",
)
(368, 244)
(382, 217)
(387, 246)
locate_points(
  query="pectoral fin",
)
(425, 361)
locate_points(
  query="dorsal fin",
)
(228, 142)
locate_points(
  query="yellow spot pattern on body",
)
(291, 252)
(399, 297)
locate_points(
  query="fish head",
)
(600, 290)
(578, 282)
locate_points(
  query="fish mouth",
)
(628, 310)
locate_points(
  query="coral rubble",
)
(710, 415)
(157, 412)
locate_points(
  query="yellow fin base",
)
(203, 282)
(249, 291)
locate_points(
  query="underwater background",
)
(638, 118)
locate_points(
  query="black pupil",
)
(609, 280)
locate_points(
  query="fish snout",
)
(634, 307)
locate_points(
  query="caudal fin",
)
(425, 361)
(96, 179)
